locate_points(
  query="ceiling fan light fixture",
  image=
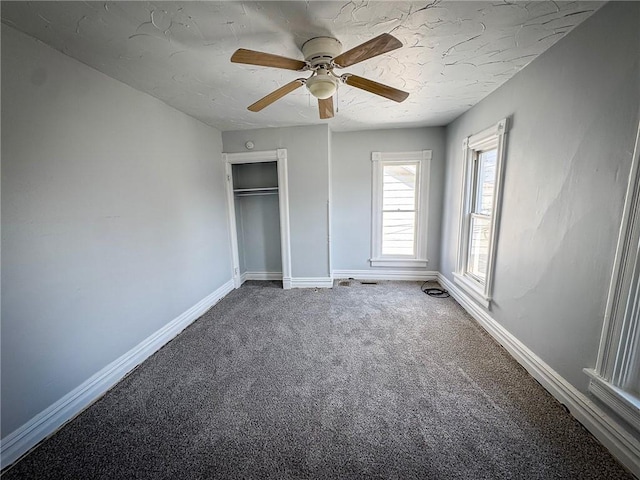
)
(322, 86)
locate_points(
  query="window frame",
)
(379, 159)
(619, 347)
(472, 146)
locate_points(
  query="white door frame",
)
(280, 157)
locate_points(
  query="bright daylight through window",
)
(484, 174)
(483, 156)
(399, 209)
(400, 183)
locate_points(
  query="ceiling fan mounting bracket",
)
(321, 51)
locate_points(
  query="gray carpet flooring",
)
(360, 381)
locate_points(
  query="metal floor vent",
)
(344, 283)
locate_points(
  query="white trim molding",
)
(491, 138)
(311, 282)
(611, 433)
(262, 276)
(620, 401)
(24, 438)
(280, 157)
(616, 377)
(409, 275)
(244, 276)
(285, 233)
(422, 160)
(472, 289)
(257, 156)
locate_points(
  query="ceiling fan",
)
(322, 55)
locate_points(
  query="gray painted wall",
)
(351, 172)
(574, 113)
(113, 222)
(308, 170)
(240, 235)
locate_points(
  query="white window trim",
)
(378, 159)
(494, 135)
(616, 354)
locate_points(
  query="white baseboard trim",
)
(311, 282)
(262, 276)
(24, 438)
(386, 275)
(605, 428)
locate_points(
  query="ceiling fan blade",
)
(326, 107)
(276, 95)
(375, 87)
(251, 57)
(376, 46)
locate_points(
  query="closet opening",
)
(258, 202)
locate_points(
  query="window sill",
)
(472, 289)
(623, 403)
(398, 262)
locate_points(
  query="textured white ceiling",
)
(454, 53)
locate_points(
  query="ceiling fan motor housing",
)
(321, 50)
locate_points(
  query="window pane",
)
(398, 233)
(399, 187)
(479, 246)
(399, 209)
(486, 178)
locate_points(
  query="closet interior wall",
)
(255, 187)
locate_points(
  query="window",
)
(483, 158)
(399, 216)
(615, 380)
(484, 184)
